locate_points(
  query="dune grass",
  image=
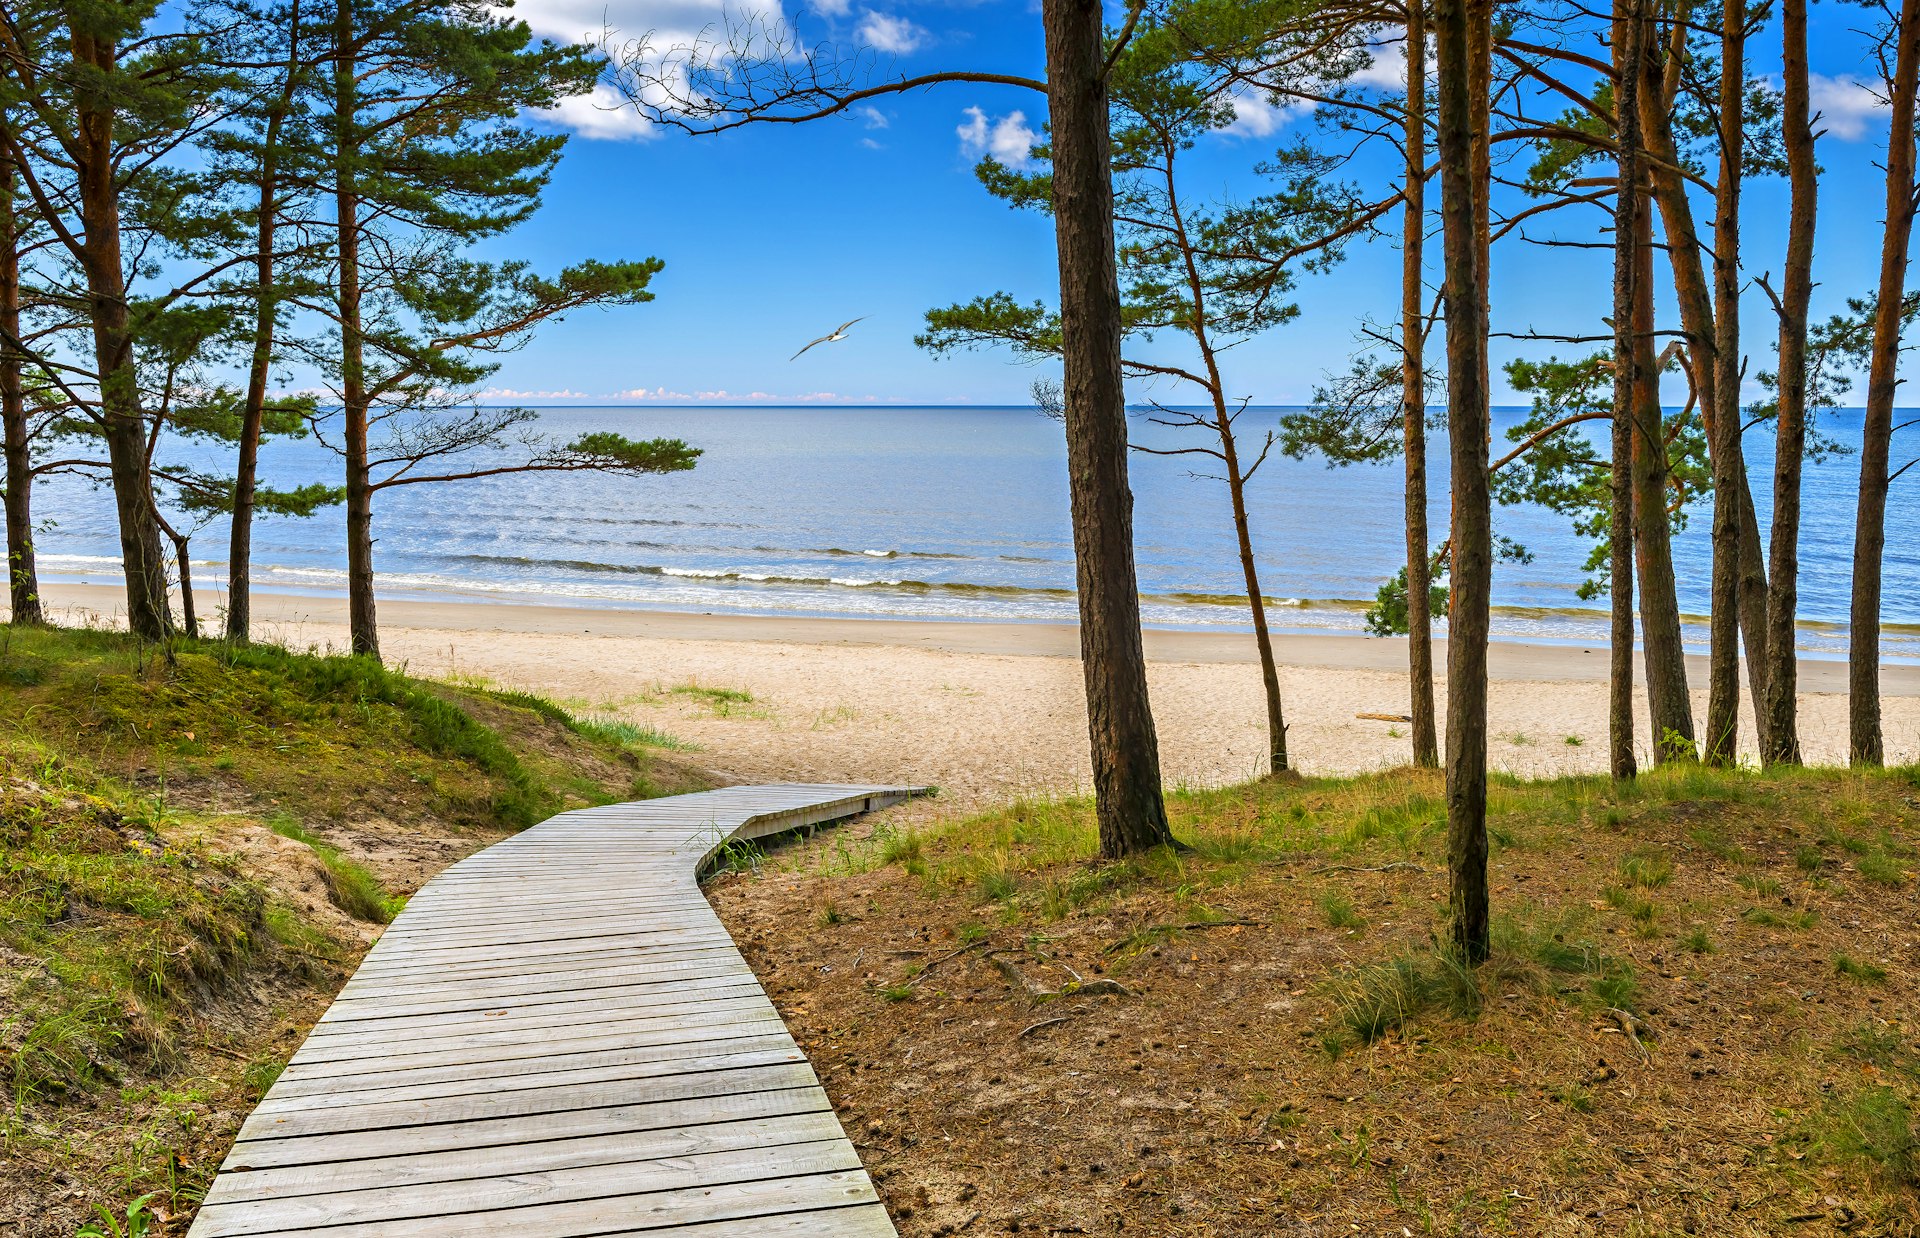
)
(134, 930)
(1711, 952)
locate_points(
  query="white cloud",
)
(831, 8)
(874, 118)
(605, 115)
(1008, 139)
(1846, 105)
(670, 21)
(1254, 116)
(870, 144)
(1386, 67)
(886, 33)
(664, 24)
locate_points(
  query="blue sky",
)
(773, 235)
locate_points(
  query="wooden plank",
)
(640, 999)
(568, 1076)
(627, 1213)
(521, 1188)
(501, 1133)
(461, 1166)
(692, 1029)
(523, 1052)
(330, 1050)
(492, 1071)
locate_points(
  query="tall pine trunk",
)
(362, 623)
(23, 583)
(1413, 396)
(266, 320)
(1865, 742)
(123, 424)
(1627, 209)
(1721, 407)
(1126, 755)
(1462, 31)
(1710, 315)
(1781, 732)
(1663, 650)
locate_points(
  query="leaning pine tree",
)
(424, 157)
(1214, 276)
(116, 92)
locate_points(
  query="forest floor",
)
(1698, 1016)
(194, 853)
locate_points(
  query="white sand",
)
(986, 711)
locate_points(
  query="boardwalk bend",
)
(557, 1037)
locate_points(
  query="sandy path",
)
(954, 705)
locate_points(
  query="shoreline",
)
(1508, 661)
(993, 712)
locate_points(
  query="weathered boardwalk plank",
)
(557, 1037)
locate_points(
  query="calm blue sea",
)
(953, 513)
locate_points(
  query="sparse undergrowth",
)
(1692, 1021)
(191, 849)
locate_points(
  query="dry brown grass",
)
(1310, 1064)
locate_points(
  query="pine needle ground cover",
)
(194, 852)
(1697, 1019)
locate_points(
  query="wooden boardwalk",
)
(557, 1037)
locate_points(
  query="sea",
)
(960, 513)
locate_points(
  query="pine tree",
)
(424, 154)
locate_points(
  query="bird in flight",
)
(839, 333)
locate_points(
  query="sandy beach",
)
(989, 711)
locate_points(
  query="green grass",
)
(1340, 912)
(1649, 867)
(1881, 868)
(1696, 941)
(128, 930)
(629, 735)
(128, 776)
(350, 885)
(1379, 998)
(1644, 913)
(1875, 1126)
(737, 696)
(1766, 917)
(1532, 950)
(1854, 969)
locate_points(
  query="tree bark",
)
(1413, 398)
(1731, 493)
(1277, 760)
(1663, 650)
(266, 320)
(1627, 208)
(1463, 30)
(1781, 705)
(23, 582)
(362, 623)
(1710, 315)
(1126, 757)
(123, 423)
(1865, 742)
(189, 616)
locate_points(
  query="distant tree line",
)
(198, 200)
(1645, 117)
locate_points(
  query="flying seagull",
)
(839, 333)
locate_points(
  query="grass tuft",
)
(350, 886)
